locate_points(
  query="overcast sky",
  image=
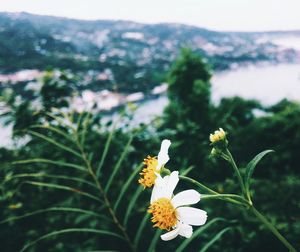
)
(241, 15)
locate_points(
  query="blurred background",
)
(172, 69)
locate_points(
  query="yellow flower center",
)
(148, 175)
(164, 214)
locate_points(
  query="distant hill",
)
(129, 55)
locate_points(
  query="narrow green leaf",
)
(49, 161)
(79, 120)
(187, 170)
(118, 164)
(43, 175)
(85, 123)
(55, 209)
(251, 166)
(154, 240)
(69, 116)
(71, 230)
(126, 186)
(62, 120)
(216, 238)
(54, 129)
(198, 232)
(131, 205)
(62, 187)
(106, 147)
(48, 139)
(140, 229)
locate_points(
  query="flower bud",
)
(218, 141)
(217, 136)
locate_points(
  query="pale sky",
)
(229, 15)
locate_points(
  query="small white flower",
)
(171, 212)
(154, 165)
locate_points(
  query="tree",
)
(56, 87)
(188, 114)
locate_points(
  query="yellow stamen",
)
(148, 175)
(164, 214)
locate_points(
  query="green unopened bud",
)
(165, 171)
(214, 152)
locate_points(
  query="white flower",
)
(171, 212)
(154, 165)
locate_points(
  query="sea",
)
(268, 84)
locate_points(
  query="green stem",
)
(200, 185)
(228, 197)
(272, 229)
(207, 189)
(237, 171)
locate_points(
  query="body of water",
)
(268, 84)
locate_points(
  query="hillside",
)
(123, 55)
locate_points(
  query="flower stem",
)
(237, 171)
(200, 185)
(228, 197)
(207, 189)
(272, 229)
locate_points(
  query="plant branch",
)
(272, 229)
(228, 197)
(103, 194)
(237, 171)
(214, 193)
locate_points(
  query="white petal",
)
(164, 187)
(157, 191)
(163, 156)
(170, 235)
(185, 230)
(187, 197)
(154, 194)
(171, 184)
(192, 216)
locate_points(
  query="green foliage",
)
(48, 190)
(85, 184)
(56, 87)
(275, 127)
(197, 233)
(251, 166)
(235, 113)
(188, 114)
(216, 238)
(19, 112)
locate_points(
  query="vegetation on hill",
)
(137, 56)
